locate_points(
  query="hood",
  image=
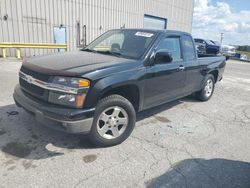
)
(75, 63)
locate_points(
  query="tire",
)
(110, 116)
(207, 89)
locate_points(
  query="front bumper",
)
(59, 118)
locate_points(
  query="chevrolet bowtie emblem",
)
(29, 79)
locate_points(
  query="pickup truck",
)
(207, 46)
(98, 90)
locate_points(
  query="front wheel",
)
(114, 120)
(207, 90)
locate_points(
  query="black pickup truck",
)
(99, 89)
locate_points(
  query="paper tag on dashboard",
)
(144, 34)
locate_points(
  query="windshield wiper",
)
(88, 50)
(118, 54)
(109, 53)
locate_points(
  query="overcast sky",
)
(231, 17)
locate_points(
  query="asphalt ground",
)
(185, 143)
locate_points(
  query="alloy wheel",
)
(112, 122)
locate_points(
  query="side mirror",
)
(162, 57)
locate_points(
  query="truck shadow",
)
(22, 137)
(158, 109)
(204, 173)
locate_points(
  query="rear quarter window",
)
(188, 47)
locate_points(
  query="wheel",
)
(114, 121)
(207, 90)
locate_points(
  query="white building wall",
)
(32, 21)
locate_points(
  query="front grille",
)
(39, 76)
(32, 89)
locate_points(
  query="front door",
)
(165, 81)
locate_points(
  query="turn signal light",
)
(83, 83)
(79, 100)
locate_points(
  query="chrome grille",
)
(32, 89)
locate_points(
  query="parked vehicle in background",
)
(227, 50)
(244, 57)
(200, 46)
(99, 90)
(207, 46)
(216, 43)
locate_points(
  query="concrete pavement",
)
(185, 143)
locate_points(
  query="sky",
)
(231, 17)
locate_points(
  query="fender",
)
(133, 77)
(214, 66)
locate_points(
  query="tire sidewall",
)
(113, 100)
(203, 95)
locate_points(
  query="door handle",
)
(181, 67)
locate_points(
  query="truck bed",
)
(208, 55)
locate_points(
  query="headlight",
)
(71, 82)
(64, 99)
(68, 91)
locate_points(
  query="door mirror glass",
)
(162, 57)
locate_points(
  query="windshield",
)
(122, 43)
(210, 42)
(199, 41)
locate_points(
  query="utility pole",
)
(221, 38)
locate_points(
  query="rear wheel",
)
(207, 90)
(114, 121)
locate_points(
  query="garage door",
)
(154, 22)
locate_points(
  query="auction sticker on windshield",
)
(144, 34)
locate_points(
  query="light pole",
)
(221, 38)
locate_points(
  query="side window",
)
(172, 45)
(188, 47)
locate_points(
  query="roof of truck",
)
(157, 30)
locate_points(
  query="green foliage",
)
(243, 53)
(245, 48)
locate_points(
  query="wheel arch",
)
(129, 91)
(215, 74)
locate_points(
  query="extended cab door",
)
(192, 67)
(165, 81)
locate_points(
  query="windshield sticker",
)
(143, 34)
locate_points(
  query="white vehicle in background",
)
(244, 57)
(227, 50)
